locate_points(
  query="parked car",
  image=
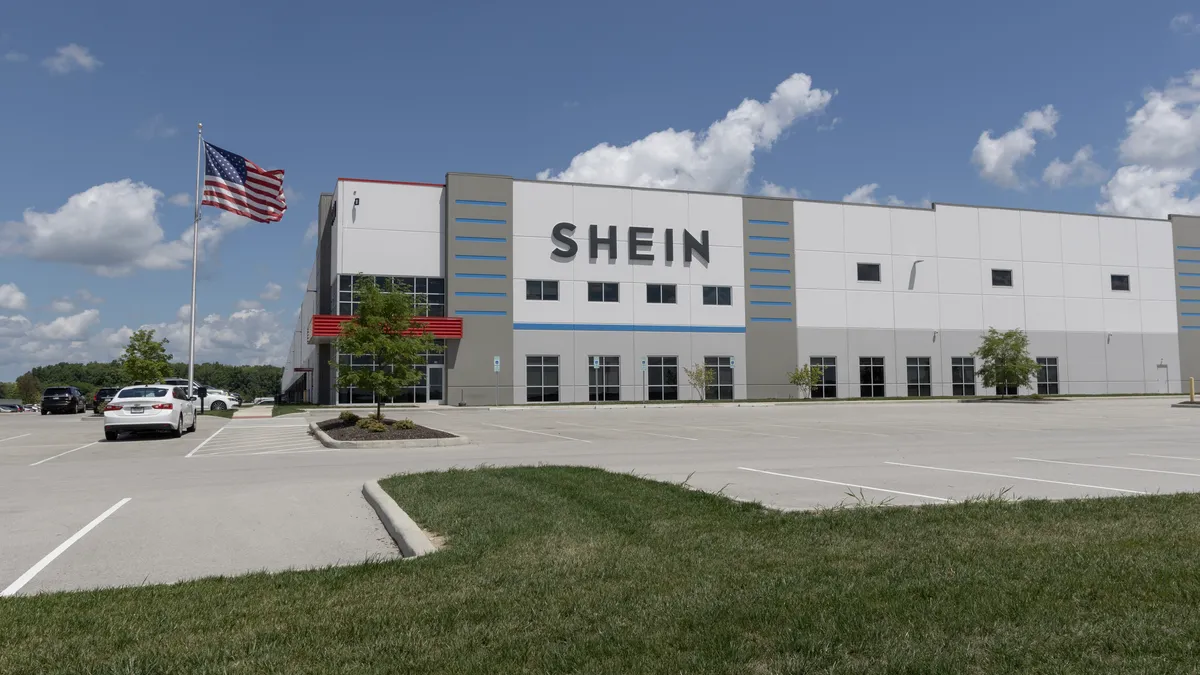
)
(10, 408)
(62, 399)
(215, 399)
(154, 407)
(103, 396)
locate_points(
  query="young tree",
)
(806, 378)
(701, 377)
(383, 328)
(8, 390)
(1004, 359)
(29, 389)
(145, 359)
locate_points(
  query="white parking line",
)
(239, 427)
(1001, 475)
(1108, 466)
(539, 433)
(205, 441)
(834, 482)
(752, 433)
(41, 564)
(13, 438)
(64, 453)
(629, 431)
(1188, 459)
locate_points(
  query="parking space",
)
(255, 494)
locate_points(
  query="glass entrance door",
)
(435, 380)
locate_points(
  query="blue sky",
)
(898, 96)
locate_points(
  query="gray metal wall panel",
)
(326, 300)
(1086, 368)
(1124, 354)
(1185, 231)
(1161, 348)
(470, 377)
(771, 338)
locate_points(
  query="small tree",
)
(29, 389)
(701, 377)
(145, 359)
(806, 378)
(383, 328)
(1004, 359)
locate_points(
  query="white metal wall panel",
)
(957, 231)
(1155, 245)
(819, 227)
(821, 269)
(999, 234)
(1084, 315)
(868, 229)
(914, 233)
(1043, 279)
(1118, 242)
(1041, 237)
(1080, 239)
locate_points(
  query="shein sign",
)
(640, 240)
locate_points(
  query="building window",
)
(428, 293)
(828, 386)
(1120, 282)
(1047, 377)
(1007, 390)
(962, 375)
(431, 387)
(541, 379)
(1002, 278)
(663, 378)
(870, 377)
(919, 378)
(605, 291)
(869, 272)
(604, 378)
(718, 295)
(720, 387)
(660, 294)
(539, 289)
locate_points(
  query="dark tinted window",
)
(1120, 282)
(1002, 278)
(56, 391)
(142, 392)
(868, 272)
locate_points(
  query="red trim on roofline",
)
(391, 182)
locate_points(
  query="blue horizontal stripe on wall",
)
(762, 254)
(486, 240)
(1189, 314)
(480, 294)
(1185, 260)
(769, 319)
(480, 257)
(766, 270)
(769, 287)
(1190, 288)
(1190, 327)
(773, 303)
(1188, 300)
(471, 275)
(777, 223)
(476, 202)
(755, 237)
(480, 312)
(628, 327)
(485, 221)
(1182, 274)
(1188, 248)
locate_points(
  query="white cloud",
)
(302, 285)
(865, 194)
(74, 327)
(770, 189)
(1148, 192)
(14, 326)
(180, 199)
(11, 297)
(156, 127)
(271, 292)
(1184, 23)
(89, 298)
(831, 126)
(16, 57)
(111, 228)
(1081, 170)
(249, 304)
(62, 305)
(184, 313)
(249, 336)
(719, 159)
(310, 232)
(997, 158)
(72, 57)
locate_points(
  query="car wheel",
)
(110, 435)
(192, 428)
(178, 430)
(217, 405)
(45, 412)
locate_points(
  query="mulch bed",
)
(347, 431)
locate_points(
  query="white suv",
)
(217, 399)
(149, 407)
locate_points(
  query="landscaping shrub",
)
(404, 424)
(348, 417)
(371, 424)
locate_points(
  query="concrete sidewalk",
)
(254, 412)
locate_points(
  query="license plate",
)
(137, 410)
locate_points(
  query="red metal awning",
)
(326, 327)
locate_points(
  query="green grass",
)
(287, 408)
(576, 570)
(219, 413)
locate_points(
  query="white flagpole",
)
(195, 261)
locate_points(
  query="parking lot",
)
(237, 496)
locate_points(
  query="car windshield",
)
(54, 391)
(143, 392)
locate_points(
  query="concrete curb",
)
(1185, 404)
(92, 418)
(412, 443)
(407, 535)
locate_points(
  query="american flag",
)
(233, 183)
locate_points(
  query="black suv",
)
(63, 399)
(102, 397)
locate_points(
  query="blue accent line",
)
(471, 275)
(778, 223)
(1188, 248)
(768, 287)
(480, 257)
(480, 294)
(766, 270)
(768, 319)
(774, 303)
(762, 254)
(1189, 314)
(486, 240)
(1190, 288)
(485, 221)
(1182, 274)
(1188, 300)
(480, 312)
(755, 237)
(1190, 327)
(628, 327)
(476, 202)
(1185, 260)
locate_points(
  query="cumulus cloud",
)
(865, 194)
(1081, 170)
(156, 127)
(1161, 151)
(249, 304)
(88, 297)
(73, 327)
(11, 297)
(271, 292)
(310, 232)
(997, 158)
(71, 58)
(770, 189)
(831, 126)
(62, 305)
(1184, 23)
(180, 199)
(719, 159)
(112, 229)
(13, 326)
(16, 57)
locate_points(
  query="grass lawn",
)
(219, 413)
(557, 569)
(285, 408)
